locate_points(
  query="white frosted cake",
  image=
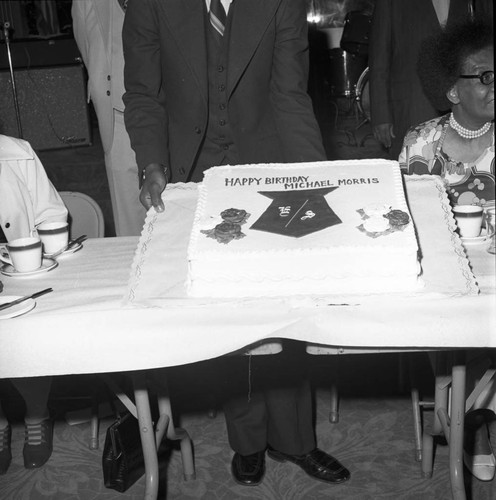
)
(339, 227)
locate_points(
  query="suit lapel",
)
(186, 23)
(430, 18)
(249, 22)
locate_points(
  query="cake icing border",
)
(146, 237)
(463, 262)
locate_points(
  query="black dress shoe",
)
(248, 470)
(316, 464)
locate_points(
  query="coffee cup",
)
(468, 219)
(53, 235)
(23, 254)
(490, 218)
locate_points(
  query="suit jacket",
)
(97, 28)
(397, 30)
(166, 82)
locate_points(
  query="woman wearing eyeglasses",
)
(456, 69)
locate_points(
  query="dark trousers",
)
(267, 401)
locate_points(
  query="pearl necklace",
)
(466, 133)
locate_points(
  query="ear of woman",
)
(452, 95)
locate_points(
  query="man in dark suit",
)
(397, 101)
(206, 90)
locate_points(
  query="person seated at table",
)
(456, 69)
(27, 198)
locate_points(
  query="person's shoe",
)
(478, 455)
(38, 443)
(5, 453)
(316, 464)
(482, 467)
(248, 470)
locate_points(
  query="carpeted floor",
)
(373, 438)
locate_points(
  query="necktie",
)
(217, 16)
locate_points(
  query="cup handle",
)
(4, 255)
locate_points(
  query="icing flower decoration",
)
(397, 218)
(225, 232)
(376, 224)
(376, 209)
(235, 215)
(230, 227)
(382, 222)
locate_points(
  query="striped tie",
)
(217, 16)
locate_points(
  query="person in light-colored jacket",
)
(97, 28)
(27, 198)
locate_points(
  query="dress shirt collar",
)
(225, 3)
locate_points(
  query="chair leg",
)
(427, 454)
(417, 423)
(95, 424)
(147, 436)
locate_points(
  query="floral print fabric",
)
(466, 183)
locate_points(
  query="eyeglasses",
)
(486, 78)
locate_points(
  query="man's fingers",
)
(156, 197)
(151, 197)
(145, 199)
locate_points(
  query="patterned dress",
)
(467, 183)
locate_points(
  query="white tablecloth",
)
(92, 322)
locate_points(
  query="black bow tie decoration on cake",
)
(297, 213)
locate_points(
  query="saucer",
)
(73, 249)
(16, 310)
(46, 265)
(482, 238)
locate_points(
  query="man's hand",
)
(384, 133)
(154, 183)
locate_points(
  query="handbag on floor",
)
(122, 459)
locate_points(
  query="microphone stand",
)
(6, 28)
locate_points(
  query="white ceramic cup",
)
(54, 236)
(490, 217)
(468, 219)
(23, 254)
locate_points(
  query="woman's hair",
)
(442, 56)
